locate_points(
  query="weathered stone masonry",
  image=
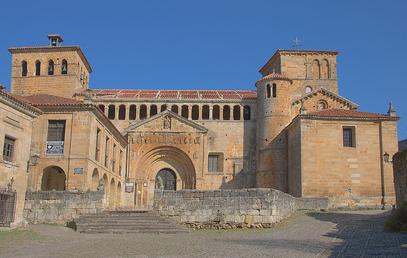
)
(400, 176)
(61, 206)
(232, 208)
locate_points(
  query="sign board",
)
(129, 187)
(78, 171)
(55, 147)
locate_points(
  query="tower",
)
(287, 76)
(53, 69)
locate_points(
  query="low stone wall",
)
(232, 208)
(400, 176)
(61, 206)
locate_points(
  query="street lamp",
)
(33, 161)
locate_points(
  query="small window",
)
(274, 90)
(174, 108)
(349, 139)
(64, 67)
(102, 108)
(216, 112)
(246, 113)
(50, 67)
(37, 68)
(236, 112)
(226, 113)
(184, 111)
(122, 112)
(195, 112)
(132, 112)
(97, 151)
(205, 112)
(8, 149)
(268, 91)
(163, 107)
(322, 104)
(143, 112)
(153, 110)
(111, 112)
(215, 162)
(56, 130)
(308, 89)
(24, 69)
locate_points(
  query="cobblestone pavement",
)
(333, 234)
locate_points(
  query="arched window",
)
(274, 90)
(37, 68)
(102, 108)
(246, 113)
(195, 112)
(153, 110)
(163, 107)
(268, 88)
(316, 74)
(184, 111)
(236, 112)
(205, 112)
(24, 69)
(322, 104)
(132, 112)
(143, 112)
(50, 67)
(111, 112)
(308, 89)
(174, 108)
(216, 112)
(226, 113)
(324, 69)
(64, 67)
(122, 112)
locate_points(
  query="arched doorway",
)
(53, 178)
(95, 180)
(166, 179)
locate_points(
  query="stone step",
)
(119, 222)
(138, 231)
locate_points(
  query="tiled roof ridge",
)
(344, 113)
(322, 89)
(19, 102)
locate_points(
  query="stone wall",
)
(259, 207)
(400, 176)
(61, 206)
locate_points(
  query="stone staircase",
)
(122, 222)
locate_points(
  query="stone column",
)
(241, 112)
(189, 112)
(148, 111)
(211, 112)
(200, 112)
(116, 110)
(220, 112)
(127, 112)
(308, 72)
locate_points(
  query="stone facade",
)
(400, 176)
(62, 207)
(232, 208)
(272, 137)
(16, 123)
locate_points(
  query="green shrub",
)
(397, 221)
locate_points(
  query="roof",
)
(296, 52)
(326, 92)
(174, 94)
(274, 76)
(52, 49)
(49, 100)
(347, 114)
(19, 104)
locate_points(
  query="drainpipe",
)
(382, 166)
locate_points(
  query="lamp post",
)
(33, 161)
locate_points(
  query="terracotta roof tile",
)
(343, 113)
(173, 94)
(48, 100)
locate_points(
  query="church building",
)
(291, 131)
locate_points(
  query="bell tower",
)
(53, 69)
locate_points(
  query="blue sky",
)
(220, 44)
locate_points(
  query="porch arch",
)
(53, 178)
